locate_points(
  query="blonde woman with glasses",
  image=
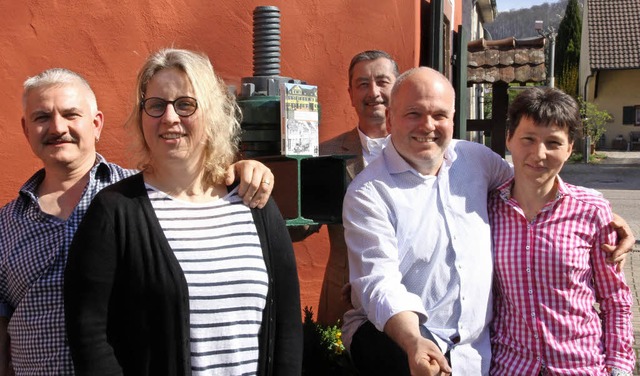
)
(170, 274)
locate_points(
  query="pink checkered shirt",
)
(548, 274)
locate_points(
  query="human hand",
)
(626, 241)
(256, 182)
(427, 359)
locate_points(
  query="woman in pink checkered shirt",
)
(550, 270)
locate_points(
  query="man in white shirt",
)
(419, 242)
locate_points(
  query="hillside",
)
(520, 23)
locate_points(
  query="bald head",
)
(420, 118)
(426, 77)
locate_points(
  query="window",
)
(629, 115)
(637, 115)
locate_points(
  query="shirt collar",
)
(30, 188)
(372, 146)
(396, 164)
(505, 189)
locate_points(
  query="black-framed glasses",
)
(156, 107)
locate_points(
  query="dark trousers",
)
(374, 353)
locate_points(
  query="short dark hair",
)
(372, 55)
(545, 106)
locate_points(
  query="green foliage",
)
(568, 80)
(568, 39)
(488, 99)
(514, 93)
(324, 353)
(576, 157)
(593, 120)
(568, 49)
(488, 104)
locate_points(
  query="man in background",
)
(371, 76)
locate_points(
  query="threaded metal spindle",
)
(266, 41)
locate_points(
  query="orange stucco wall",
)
(107, 41)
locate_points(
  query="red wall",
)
(107, 41)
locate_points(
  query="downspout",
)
(585, 137)
(586, 83)
(479, 111)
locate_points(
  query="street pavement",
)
(618, 178)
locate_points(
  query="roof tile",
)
(614, 34)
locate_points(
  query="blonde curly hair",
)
(219, 114)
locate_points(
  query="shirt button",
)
(533, 314)
(527, 248)
(530, 292)
(528, 270)
(535, 336)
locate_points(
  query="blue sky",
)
(506, 5)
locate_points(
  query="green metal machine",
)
(308, 189)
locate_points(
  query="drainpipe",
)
(586, 138)
(479, 111)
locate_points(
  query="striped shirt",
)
(549, 272)
(218, 248)
(33, 254)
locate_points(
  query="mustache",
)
(55, 139)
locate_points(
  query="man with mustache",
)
(62, 125)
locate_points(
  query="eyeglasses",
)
(156, 107)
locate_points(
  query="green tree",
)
(568, 80)
(568, 46)
(593, 121)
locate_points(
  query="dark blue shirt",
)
(33, 255)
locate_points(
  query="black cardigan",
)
(127, 302)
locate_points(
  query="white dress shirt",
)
(422, 243)
(371, 147)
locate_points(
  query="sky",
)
(507, 5)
